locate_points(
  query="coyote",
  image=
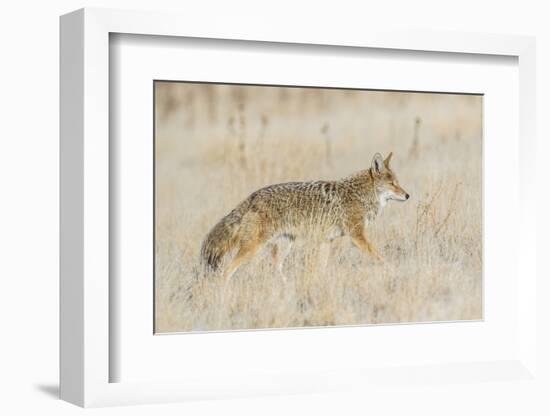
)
(322, 209)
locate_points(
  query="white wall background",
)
(29, 203)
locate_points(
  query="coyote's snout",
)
(287, 211)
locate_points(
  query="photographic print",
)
(292, 207)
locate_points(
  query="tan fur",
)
(319, 210)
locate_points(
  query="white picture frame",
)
(85, 222)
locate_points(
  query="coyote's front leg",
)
(361, 242)
(356, 229)
(358, 237)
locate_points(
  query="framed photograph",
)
(269, 212)
(292, 195)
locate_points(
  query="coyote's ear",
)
(377, 163)
(387, 160)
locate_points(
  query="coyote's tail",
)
(220, 240)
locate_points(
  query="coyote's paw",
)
(283, 277)
(380, 259)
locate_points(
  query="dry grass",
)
(217, 144)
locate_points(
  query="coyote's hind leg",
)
(246, 251)
(279, 252)
(324, 254)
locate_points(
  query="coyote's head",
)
(385, 181)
